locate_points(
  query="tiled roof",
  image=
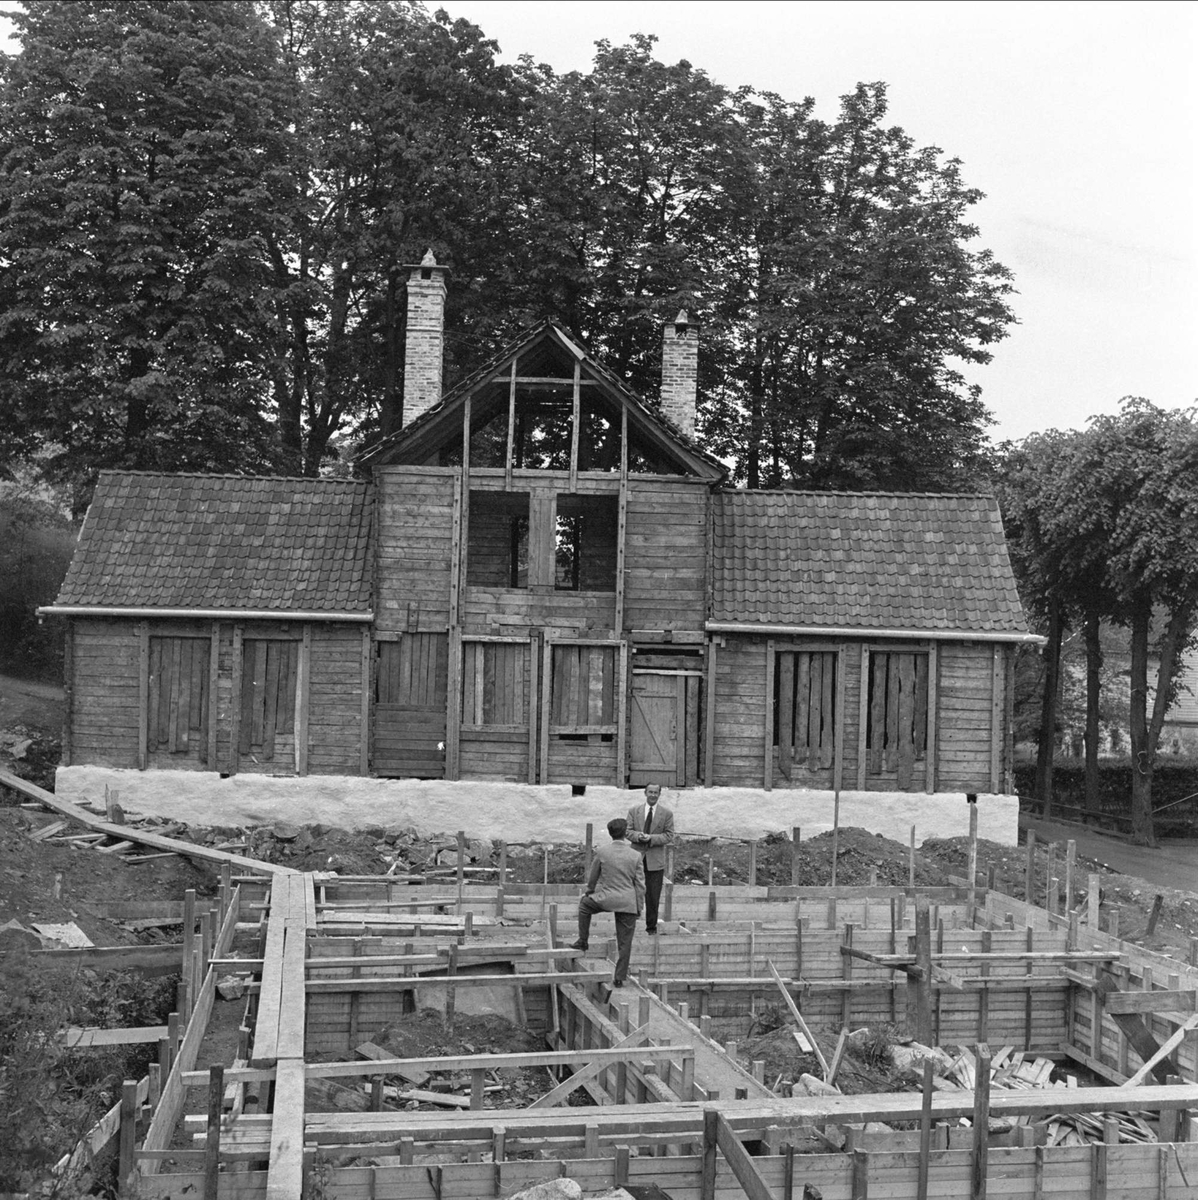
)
(223, 542)
(863, 561)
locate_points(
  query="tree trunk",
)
(1093, 687)
(1142, 831)
(1048, 707)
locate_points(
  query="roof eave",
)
(923, 635)
(213, 614)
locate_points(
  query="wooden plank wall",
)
(665, 556)
(105, 683)
(964, 728)
(495, 610)
(415, 536)
(105, 687)
(497, 705)
(962, 732)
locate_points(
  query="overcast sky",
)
(1078, 120)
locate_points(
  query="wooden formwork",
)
(342, 959)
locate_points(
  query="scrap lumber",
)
(1138, 1035)
(798, 1017)
(142, 837)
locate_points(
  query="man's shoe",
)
(617, 983)
(651, 931)
(578, 945)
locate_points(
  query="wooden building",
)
(544, 579)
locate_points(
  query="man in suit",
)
(652, 826)
(615, 884)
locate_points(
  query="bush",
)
(1174, 792)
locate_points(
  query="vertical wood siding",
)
(665, 555)
(966, 675)
(415, 538)
(104, 682)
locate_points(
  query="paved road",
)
(1173, 863)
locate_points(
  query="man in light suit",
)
(652, 826)
(615, 884)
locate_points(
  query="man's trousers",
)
(625, 928)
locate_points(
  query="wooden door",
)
(409, 712)
(658, 722)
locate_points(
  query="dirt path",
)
(1172, 864)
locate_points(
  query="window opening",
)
(805, 708)
(897, 725)
(268, 685)
(582, 702)
(177, 710)
(497, 540)
(585, 540)
(494, 684)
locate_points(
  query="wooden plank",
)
(932, 752)
(575, 423)
(621, 772)
(863, 719)
(710, 714)
(842, 658)
(365, 666)
(1155, 1001)
(302, 697)
(996, 714)
(547, 685)
(143, 692)
(134, 1035)
(213, 693)
(768, 748)
(284, 1180)
(739, 1160)
(133, 834)
(786, 707)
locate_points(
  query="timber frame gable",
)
(546, 374)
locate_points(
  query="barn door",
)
(409, 712)
(664, 728)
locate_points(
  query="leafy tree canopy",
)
(205, 212)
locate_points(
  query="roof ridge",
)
(322, 479)
(844, 492)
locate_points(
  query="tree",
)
(142, 151)
(1101, 526)
(859, 294)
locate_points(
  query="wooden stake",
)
(835, 833)
(981, 1122)
(921, 993)
(911, 861)
(794, 856)
(216, 1096)
(588, 850)
(925, 1133)
(128, 1133)
(1029, 872)
(973, 853)
(1092, 901)
(753, 863)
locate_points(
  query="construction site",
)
(1030, 1050)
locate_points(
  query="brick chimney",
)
(680, 372)
(425, 345)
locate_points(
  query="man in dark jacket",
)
(615, 884)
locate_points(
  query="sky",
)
(1079, 120)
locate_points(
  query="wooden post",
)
(461, 873)
(911, 862)
(925, 1132)
(216, 1095)
(502, 878)
(189, 925)
(1070, 870)
(922, 991)
(972, 800)
(1050, 871)
(981, 1122)
(753, 863)
(711, 1117)
(128, 1133)
(794, 856)
(1029, 873)
(835, 833)
(544, 881)
(1092, 901)
(588, 850)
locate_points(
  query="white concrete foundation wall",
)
(521, 812)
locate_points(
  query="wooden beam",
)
(534, 675)
(1138, 1035)
(140, 836)
(511, 427)
(737, 1157)
(285, 1173)
(798, 1016)
(621, 541)
(933, 725)
(367, 677)
(1151, 1002)
(588, 1071)
(575, 422)
(1167, 1048)
(622, 716)
(546, 694)
(768, 763)
(709, 715)
(863, 719)
(213, 693)
(996, 715)
(235, 700)
(455, 551)
(143, 694)
(303, 689)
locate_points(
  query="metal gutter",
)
(215, 614)
(923, 635)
